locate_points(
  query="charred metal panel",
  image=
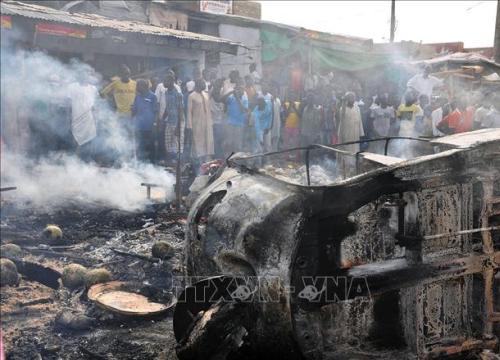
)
(384, 259)
(374, 239)
(446, 209)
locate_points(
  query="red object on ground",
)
(2, 355)
(210, 167)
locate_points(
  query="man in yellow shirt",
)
(123, 91)
(292, 121)
(407, 115)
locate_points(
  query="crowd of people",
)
(210, 117)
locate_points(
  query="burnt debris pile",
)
(59, 254)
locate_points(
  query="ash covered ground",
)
(31, 311)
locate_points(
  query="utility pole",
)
(393, 19)
(497, 34)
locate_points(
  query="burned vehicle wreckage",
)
(398, 259)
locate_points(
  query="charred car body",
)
(398, 258)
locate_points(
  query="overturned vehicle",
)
(319, 253)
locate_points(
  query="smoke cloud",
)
(29, 81)
(61, 179)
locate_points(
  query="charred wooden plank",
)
(135, 255)
(382, 277)
(44, 300)
(468, 345)
(39, 273)
(58, 255)
(8, 188)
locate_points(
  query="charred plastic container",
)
(320, 254)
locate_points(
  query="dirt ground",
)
(90, 235)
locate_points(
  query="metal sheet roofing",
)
(246, 21)
(470, 139)
(459, 57)
(32, 11)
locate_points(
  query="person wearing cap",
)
(199, 121)
(190, 85)
(424, 83)
(350, 129)
(350, 126)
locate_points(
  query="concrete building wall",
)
(251, 9)
(250, 38)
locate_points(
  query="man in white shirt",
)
(437, 116)
(350, 129)
(351, 126)
(492, 118)
(424, 83)
(254, 73)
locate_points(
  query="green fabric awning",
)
(277, 45)
(347, 61)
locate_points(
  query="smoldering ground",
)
(47, 178)
(63, 179)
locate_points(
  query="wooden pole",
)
(497, 34)
(178, 168)
(393, 19)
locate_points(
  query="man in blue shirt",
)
(144, 111)
(236, 118)
(263, 118)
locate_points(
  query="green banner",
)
(277, 45)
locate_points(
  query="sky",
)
(472, 22)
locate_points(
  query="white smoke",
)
(31, 78)
(62, 179)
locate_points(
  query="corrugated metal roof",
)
(460, 58)
(32, 11)
(246, 21)
(470, 139)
